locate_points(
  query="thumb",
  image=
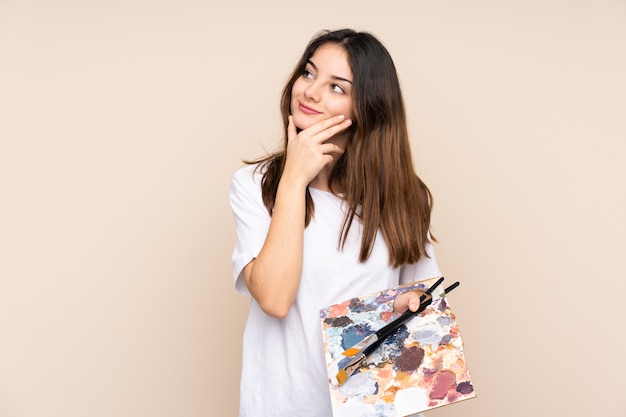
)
(291, 129)
(410, 301)
(406, 301)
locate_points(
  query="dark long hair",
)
(375, 173)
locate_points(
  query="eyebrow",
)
(334, 77)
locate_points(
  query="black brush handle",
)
(384, 331)
(392, 327)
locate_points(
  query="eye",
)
(337, 88)
(307, 74)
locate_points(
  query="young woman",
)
(338, 212)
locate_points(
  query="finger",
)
(414, 302)
(333, 130)
(415, 299)
(401, 303)
(330, 132)
(407, 301)
(419, 292)
(328, 124)
(329, 148)
(330, 153)
(291, 128)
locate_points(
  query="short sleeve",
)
(423, 269)
(252, 220)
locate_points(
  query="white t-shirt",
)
(283, 368)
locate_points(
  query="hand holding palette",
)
(419, 367)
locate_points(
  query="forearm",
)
(273, 277)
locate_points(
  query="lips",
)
(306, 109)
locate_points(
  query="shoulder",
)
(245, 194)
(248, 176)
(248, 171)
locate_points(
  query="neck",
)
(320, 182)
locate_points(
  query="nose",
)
(312, 92)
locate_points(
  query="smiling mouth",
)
(307, 110)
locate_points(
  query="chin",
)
(302, 122)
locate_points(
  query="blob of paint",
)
(410, 359)
(465, 387)
(445, 380)
(341, 321)
(354, 334)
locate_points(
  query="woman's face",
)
(324, 89)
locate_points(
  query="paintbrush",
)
(364, 348)
(391, 327)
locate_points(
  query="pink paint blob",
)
(445, 381)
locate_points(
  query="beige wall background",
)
(122, 121)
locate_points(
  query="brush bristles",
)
(342, 377)
(350, 352)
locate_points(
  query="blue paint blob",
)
(445, 340)
(343, 362)
(444, 321)
(398, 338)
(354, 334)
(376, 386)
